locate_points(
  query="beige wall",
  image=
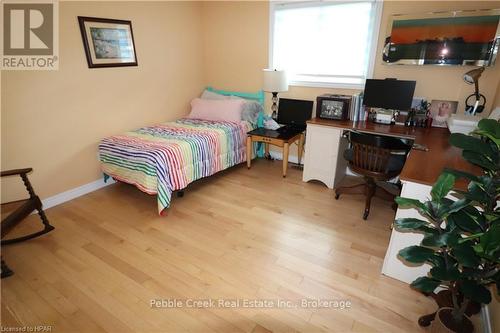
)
(236, 36)
(53, 120)
(235, 43)
(434, 82)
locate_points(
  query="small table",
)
(277, 138)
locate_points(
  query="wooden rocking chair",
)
(25, 208)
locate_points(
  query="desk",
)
(324, 162)
(423, 167)
(272, 137)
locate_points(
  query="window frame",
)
(376, 21)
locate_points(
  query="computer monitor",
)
(294, 112)
(389, 94)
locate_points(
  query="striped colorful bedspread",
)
(167, 157)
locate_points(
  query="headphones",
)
(478, 103)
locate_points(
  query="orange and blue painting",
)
(448, 40)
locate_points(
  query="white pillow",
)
(218, 110)
(250, 110)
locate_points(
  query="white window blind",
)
(325, 43)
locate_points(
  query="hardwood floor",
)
(242, 234)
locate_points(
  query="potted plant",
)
(461, 235)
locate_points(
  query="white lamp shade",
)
(275, 80)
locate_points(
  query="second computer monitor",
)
(389, 94)
(294, 112)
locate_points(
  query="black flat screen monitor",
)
(389, 94)
(294, 112)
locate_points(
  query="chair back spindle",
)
(372, 153)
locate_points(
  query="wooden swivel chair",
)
(24, 208)
(376, 158)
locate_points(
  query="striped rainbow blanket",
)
(167, 157)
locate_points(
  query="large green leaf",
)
(452, 238)
(461, 174)
(476, 215)
(425, 284)
(468, 142)
(411, 203)
(490, 243)
(465, 255)
(490, 126)
(448, 207)
(437, 260)
(474, 291)
(445, 274)
(410, 224)
(480, 160)
(475, 192)
(433, 240)
(416, 254)
(464, 221)
(457, 205)
(496, 141)
(442, 186)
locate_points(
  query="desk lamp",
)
(472, 77)
(275, 81)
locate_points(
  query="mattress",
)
(167, 157)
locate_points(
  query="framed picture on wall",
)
(108, 42)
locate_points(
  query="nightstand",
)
(279, 138)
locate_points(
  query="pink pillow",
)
(213, 109)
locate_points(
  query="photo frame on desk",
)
(333, 107)
(441, 110)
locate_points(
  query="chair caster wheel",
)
(365, 215)
(337, 196)
(6, 271)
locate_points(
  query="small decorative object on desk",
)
(418, 116)
(333, 106)
(441, 110)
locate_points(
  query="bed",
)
(167, 157)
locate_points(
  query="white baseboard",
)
(75, 193)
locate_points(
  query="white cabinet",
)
(394, 267)
(323, 158)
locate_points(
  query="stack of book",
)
(357, 111)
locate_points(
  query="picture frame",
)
(441, 110)
(333, 107)
(450, 38)
(108, 42)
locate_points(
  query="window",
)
(328, 44)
